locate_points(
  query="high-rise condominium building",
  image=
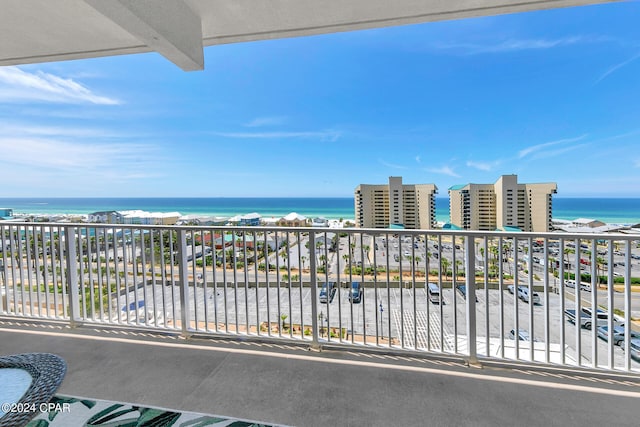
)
(395, 204)
(502, 205)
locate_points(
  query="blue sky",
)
(553, 96)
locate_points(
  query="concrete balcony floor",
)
(284, 383)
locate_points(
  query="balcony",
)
(263, 283)
(250, 291)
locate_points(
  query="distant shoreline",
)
(607, 210)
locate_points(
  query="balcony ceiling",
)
(33, 31)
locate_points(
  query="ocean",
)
(609, 210)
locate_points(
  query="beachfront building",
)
(320, 222)
(105, 217)
(150, 218)
(6, 214)
(293, 220)
(195, 219)
(396, 205)
(251, 219)
(504, 205)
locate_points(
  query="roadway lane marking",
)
(307, 358)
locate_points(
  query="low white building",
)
(293, 220)
(320, 222)
(150, 218)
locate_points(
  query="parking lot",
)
(388, 312)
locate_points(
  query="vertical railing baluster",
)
(454, 287)
(627, 304)
(500, 287)
(546, 284)
(610, 296)
(72, 275)
(530, 291)
(4, 301)
(413, 291)
(21, 230)
(267, 264)
(470, 284)
(578, 303)
(245, 275)
(563, 358)
(364, 322)
(594, 305)
(84, 307)
(485, 275)
(255, 280)
(289, 282)
(214, 269)
(441, 293)
(315, 344)
(516, 286)
(400, 286)
(185, 306)
(28, 249)
(224, 280)
(278, 299)
(300, 286)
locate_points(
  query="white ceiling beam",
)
(169, 27)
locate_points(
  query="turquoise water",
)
(621, 211)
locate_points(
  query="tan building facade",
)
(502, 205)
(409, 205)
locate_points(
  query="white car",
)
(523, 335)
(523, 294)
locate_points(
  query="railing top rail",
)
(370, 231)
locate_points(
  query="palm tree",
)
(417, 261)
(567, 251)
(284, 254)
(366, 251)
(600, 263)
(445, 266)
(458, 266)
(347, 259)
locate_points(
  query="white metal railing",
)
(268, 282)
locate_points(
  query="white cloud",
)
(616, 67)
(17, 85)
(59, 156)
(322, 135)
(539, 149)
(10, 129)
(444, 170)
(417, 159)
(265, 121)
(483, 166)
(511, 45)
(391, 165)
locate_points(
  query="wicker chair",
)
(47, 371)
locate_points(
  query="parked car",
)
(523, 335)
(463, 290)
(328, 292)
(355, 293)
(618, 334)
(583, 286)
(586, 321)
(523, 294)
(634, 348)
(434, 293)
